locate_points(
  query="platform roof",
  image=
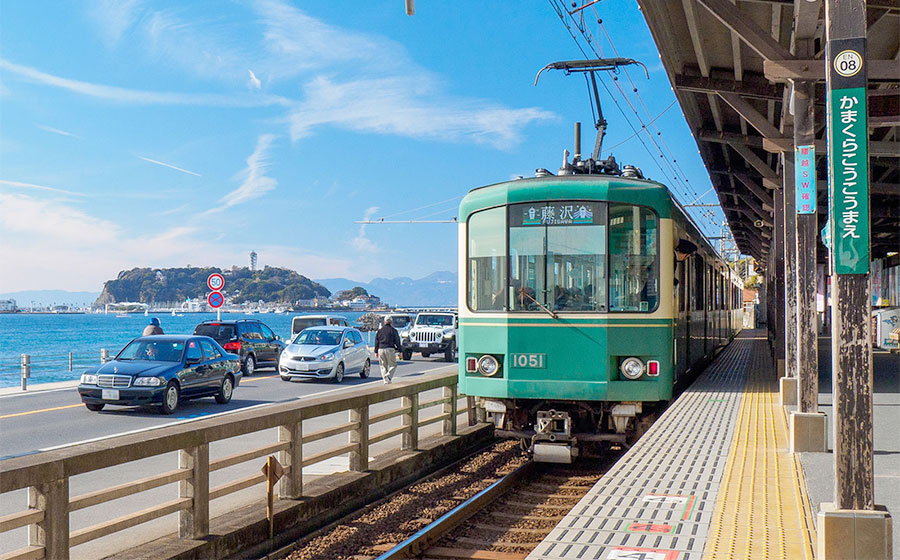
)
(730, 61)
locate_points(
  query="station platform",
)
(713, 477)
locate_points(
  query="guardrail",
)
(46, 475)
(52, 363)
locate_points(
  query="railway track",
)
(493, 506)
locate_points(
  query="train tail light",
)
(471, 365)
(652, 368)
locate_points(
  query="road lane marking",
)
(41, 410)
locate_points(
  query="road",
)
(42, 420)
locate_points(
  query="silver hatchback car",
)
(326, 352)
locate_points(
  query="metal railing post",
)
(471, 413)
(292, 483)
(410, 438)
(26, 371)
(359, 458)
(193, 523)
(450, 408)
(70, 361)
(104, 355)
(51, 533)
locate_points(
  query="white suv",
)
(433, 333)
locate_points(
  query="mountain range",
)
(438, 288)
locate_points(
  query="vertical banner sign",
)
(848, 156)
(805, 178)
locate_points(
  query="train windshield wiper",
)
(522, 292)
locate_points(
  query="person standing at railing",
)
(387, 345)
(152, 328)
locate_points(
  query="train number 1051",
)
(535, 361)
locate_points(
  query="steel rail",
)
(420, 541)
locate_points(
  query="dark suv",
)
(254, 341)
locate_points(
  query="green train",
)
(588, 300)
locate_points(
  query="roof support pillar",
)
(778, 292)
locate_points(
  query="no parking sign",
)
(215, 299)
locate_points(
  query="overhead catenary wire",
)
(681, 182)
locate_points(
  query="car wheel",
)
(170, 399)
(426, 354)
(448, 354)
(407, 355)
(339, 373)
(249, 365)
(225, 391)
(94, 407)
(365, 370)
(286, 379)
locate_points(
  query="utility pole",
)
(852, 527)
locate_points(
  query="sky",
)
(142, 133)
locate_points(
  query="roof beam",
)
(756, 189)
(784, 70)
(750, 114)
(746, 88)
(756, 38)
(771, 180)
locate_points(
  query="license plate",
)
(426, 344)
(110, 394)
(301, 367)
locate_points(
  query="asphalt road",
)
(42, 420)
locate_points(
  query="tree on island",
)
(352, 293)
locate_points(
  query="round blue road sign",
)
(215, 299)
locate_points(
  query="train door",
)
(682, 314)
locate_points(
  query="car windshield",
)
(319, 337)
(152, 351)
(435, 320)
(216, 331)
(400, 321)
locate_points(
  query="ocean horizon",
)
(48, 338)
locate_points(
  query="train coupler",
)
(553, 441)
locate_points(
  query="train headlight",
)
(488, 365)
(632, 368)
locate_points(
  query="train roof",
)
(611, 188)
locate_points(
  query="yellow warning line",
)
(762, 510)
(41, 410)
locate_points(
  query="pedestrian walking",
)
(152, 328)
(387, 344)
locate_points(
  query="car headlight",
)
(488, 365)
(404, 334)
(327, 357)
(449, 334)
(632, 368)
(147, 381)
(88, 379)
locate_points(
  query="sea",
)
(49, 338)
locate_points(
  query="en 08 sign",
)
(848, 156)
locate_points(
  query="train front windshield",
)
(567, 256)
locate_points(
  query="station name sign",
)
(848, 157)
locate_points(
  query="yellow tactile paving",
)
(762, 510)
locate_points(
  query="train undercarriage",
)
(559, 431)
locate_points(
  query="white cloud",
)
(56, 130)
(254, 81)
(139, 97)
(405, 106)
(32, 186)
(254, 182)
(170, 166)
(115, 17)
(55, 245)
(361, 242)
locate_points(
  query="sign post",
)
(851, 527)
(215, 299)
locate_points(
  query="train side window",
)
(633, 258)
(699, 269)
(681, 275)
(486, 283)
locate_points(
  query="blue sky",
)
(162, 134)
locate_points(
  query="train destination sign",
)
(557, 213)
(848, 157)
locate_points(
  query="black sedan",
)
(160, 371)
